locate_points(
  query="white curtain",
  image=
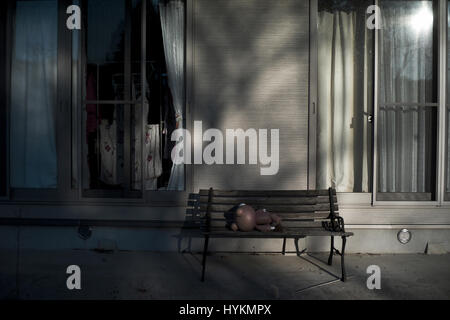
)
(172, 24)
(405, 135)
(339, 105)
(448, 105)
(33, 95)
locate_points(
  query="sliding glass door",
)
(39, 100)
(407, 104)
(378, 116)
(133, 97)
(107, 93)
(89, 113)
(4, 58)
(447, 108)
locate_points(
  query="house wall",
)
(374, 241)
(375, 230)
(250, 70)
(230, 88)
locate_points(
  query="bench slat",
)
(272, 208)
(268, 200)
(267, 193)
(290, 233)
(221, 223)
(284, 216)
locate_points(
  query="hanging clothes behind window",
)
(33, 95)
(152, 146)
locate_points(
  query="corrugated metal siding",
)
(251, 71)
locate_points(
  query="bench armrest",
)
(337, 225)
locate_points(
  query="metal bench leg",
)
(330, 258)
(296, 246)
(344, 275)
(283, 250)
(205, 251)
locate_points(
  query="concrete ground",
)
(146, 275)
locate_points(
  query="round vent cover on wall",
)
(404, 236)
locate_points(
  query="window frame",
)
(68, 115)
(313, 94)
(63, 190)
(369, 198)
(445, 122)
(4, 85)
(147, 197)
(106, 195)
(346, 198)
(439, 49)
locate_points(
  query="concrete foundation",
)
(379, 241)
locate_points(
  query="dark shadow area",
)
(192, 224)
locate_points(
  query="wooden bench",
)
(304, 213)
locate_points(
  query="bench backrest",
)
(297, 208)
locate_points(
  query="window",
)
(106, 117)
(34, 65)
(407, 105)
(402, 58)
(38, 110)
(132, 105)
(3, 99)
(90, 112)
(447, 180)
(345, 96)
